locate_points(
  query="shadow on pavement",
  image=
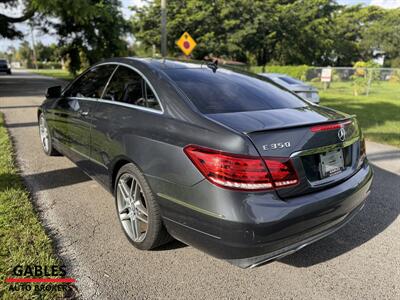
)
(173, 245)
(21, 125)
(381, 209)
(46, 180)
(56, 178)
(32, 85)
(19, 106)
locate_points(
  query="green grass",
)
(57, 73)
(378, 113)
(23, 240)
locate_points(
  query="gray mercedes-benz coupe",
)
(226, 161)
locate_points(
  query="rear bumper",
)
(262, 227)
(296, 246)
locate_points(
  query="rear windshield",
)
(3, 61)
(228, 91)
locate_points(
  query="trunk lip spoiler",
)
(350, 117)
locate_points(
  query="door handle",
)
(83, 113)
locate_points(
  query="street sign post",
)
(164, 28)
(186, 43)
(326, 77)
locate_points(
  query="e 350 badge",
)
(276, 146)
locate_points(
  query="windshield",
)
(228, 91)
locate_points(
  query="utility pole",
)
(34, 47)
(163, 28)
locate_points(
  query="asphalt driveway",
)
(362, 260)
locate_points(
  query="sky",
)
(48, 39)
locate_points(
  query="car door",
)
(121, 116)
(74, 114)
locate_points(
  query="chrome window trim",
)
(152, 110)
(83, 98)
(155, 111)
(108, 81)
(325, 148)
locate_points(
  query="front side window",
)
(127, 86)
(92, 83)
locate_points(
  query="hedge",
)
(49, 65)
(299, 72)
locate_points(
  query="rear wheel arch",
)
(149, 213)
(39, 112)
(118, 164)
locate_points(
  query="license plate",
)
(331, 163)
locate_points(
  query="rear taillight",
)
(241, 172)
(332, 126)
(282, 171)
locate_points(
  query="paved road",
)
(362, 260)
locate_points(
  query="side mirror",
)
(53, 92)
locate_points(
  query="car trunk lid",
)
(293, 133)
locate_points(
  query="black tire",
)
(156, 234)
(9, 72)
(49, 150)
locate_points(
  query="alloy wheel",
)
(44, 134)
(132, 207)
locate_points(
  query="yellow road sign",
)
(186, 43)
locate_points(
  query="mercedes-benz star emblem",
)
(341, 134)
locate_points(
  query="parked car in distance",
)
(301, 88)
(5, 66)
(226, 161)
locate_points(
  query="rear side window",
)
(129, 87)
(92, 83)
(228, 91)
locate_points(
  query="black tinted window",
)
(229, 91)
(92, 83)
(151, 99)
(127, 86)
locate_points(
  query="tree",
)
(204, 24)
(43, 53)
(95, 28)
(313, 32)
(287, 31)
(25, 54)
(384, 35)
(304, 32)
(351, 26)
(89, 29)
(7, 23)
